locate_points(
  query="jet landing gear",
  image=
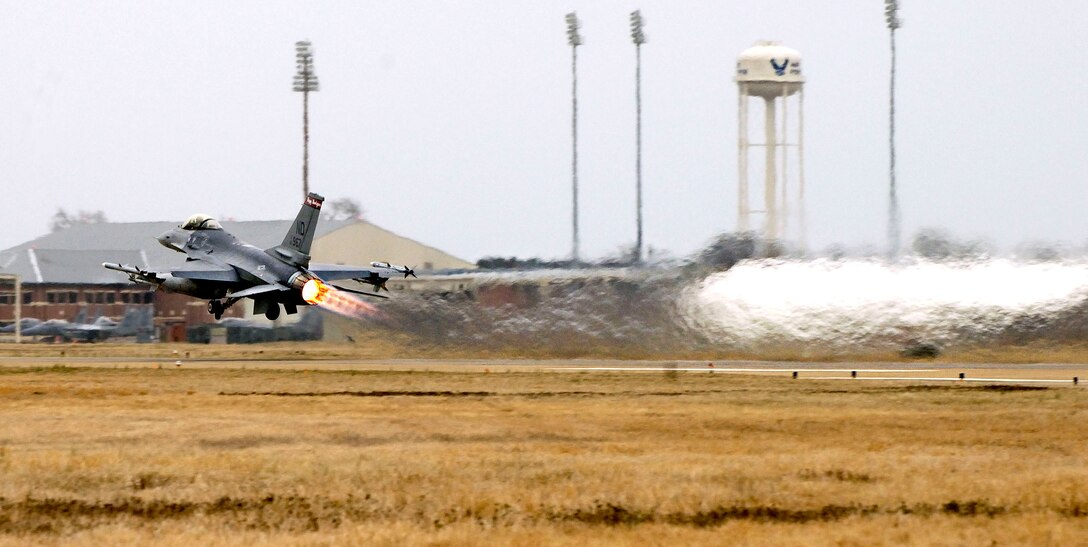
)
(273, 312)
(217, 307)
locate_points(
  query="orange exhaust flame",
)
(317, 293)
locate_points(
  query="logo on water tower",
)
(780, 70)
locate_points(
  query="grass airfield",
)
(301, 445)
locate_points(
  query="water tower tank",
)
(770, 69)
(772, 72)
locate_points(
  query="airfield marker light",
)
(305, 81)
(961, 376)
(853, 374)
(1075, 380)
(795, 375)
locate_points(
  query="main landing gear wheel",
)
(273, 312)
(216, 308)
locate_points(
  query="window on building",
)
(149, 297)
(99, 298)
(51, 297)
(28, 298)
(73, 297)
(88, 297)
(111, 297)
(7, 298)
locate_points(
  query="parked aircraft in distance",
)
(55, 327)
(136, 322)
(26, 323)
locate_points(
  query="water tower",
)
(772, 72)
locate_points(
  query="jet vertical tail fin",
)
(131, 318)
(295, 248)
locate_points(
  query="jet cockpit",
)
(201, 221)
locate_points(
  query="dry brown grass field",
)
(237, 454)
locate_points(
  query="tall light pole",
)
(891, 16)
(305, 82)
(575, 40)
(639, 38)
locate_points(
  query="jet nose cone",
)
(171, 239)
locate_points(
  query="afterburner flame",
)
(315, 291)
(318, 293)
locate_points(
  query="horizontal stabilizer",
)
(360, 292)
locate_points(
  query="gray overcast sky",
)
(450, 121)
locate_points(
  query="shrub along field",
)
(525, 456)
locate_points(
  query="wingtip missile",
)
(136, 275)
(123, 268)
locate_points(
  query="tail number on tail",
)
(300, 229)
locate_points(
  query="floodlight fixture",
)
(573, 25)
(891, 14)
(305, 79)
(637, 21)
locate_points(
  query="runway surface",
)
(1038, 373)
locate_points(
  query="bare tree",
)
(342, 209)
(63, 219)
(936, 244)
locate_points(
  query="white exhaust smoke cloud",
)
(864, 301)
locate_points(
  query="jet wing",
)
(329, 272)
(206, 271)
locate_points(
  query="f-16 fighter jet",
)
(222, 269)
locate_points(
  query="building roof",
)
(76, 254)
(74, 266)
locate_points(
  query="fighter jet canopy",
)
(201, 221)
